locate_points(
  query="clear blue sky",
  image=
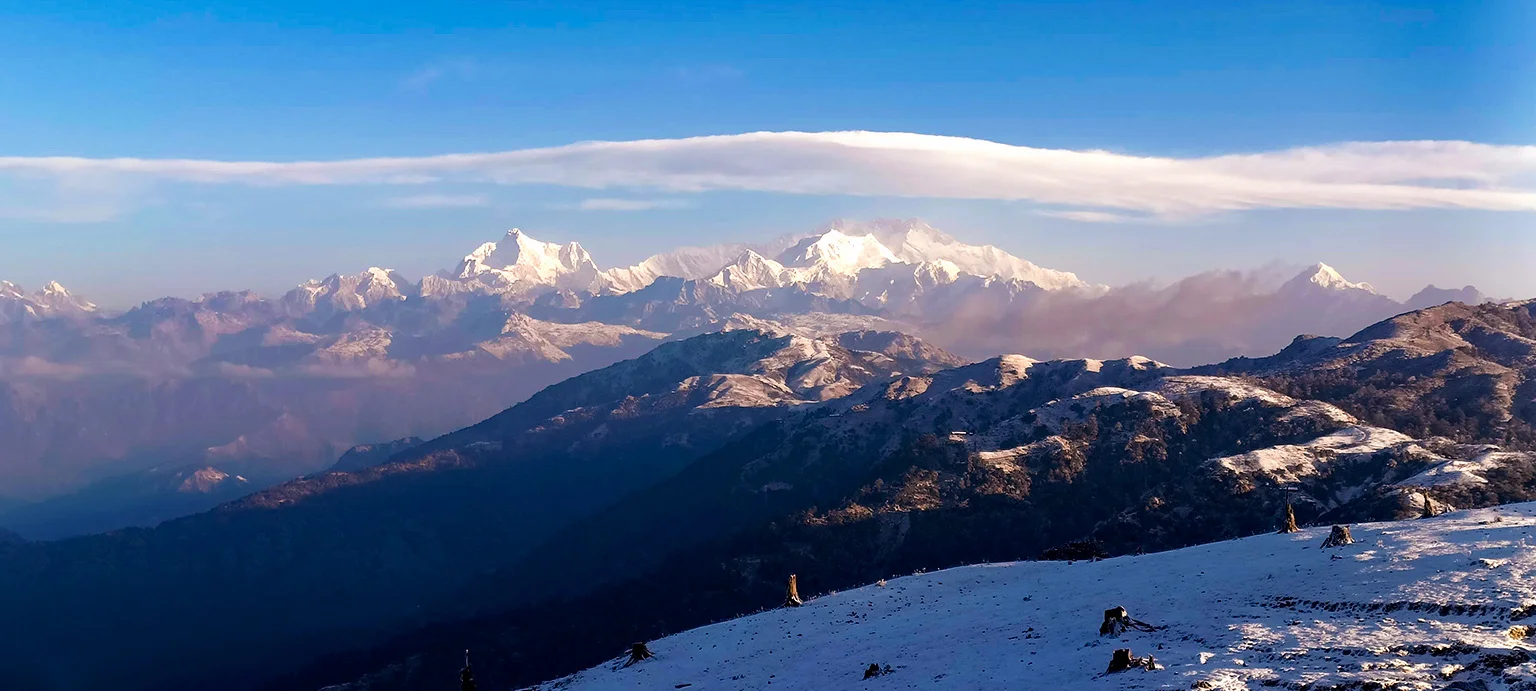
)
(293, 80)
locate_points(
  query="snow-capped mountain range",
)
(365, 357)
(831, 260)
(884, 265)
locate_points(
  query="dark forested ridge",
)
(1459, 371)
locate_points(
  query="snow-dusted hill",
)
(1414, 604)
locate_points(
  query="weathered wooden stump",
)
(1116, 621)
(1290, 520)
(1338, 537)
(639, 651)
(792, 595)
(1124, 660)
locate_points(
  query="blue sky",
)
(290, 81)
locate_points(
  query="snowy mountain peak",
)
(937, 272)
(56, 298)
(519, 262)
(914, 241)
(347, 293)
(52, 300)
(1326, 277)
(839, 253)
(690, 263)
(894, 233)
(519, 250)
(829, 259)
(750, 271)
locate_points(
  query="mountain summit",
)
(845, 257)
(914, 241)
(519, 263)
(52, 300)
(1325, 277)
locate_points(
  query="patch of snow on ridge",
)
(1462, 471)
(1291, 462)
(1184, 387)
(1058, 412)
(1412, 604)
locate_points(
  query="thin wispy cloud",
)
(437, 201)
(422, 78)
(1094, 216)
(1355, 175)
(611, 204)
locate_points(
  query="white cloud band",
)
(1376, 175)
(437, 201)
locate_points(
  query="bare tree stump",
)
(1290, 520)
(1118, 621)
(1124, 660)
(1115, 622)
(792, 595)
(638, 652)
(1338, 537)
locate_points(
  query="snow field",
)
(1414, 603)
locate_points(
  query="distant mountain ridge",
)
(364, 358)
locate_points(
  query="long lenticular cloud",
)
(1373, 175)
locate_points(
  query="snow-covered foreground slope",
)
(1412, 604)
